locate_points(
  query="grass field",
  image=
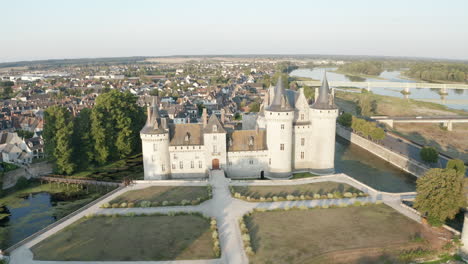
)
(159, 194)
(302, 175)
(302, 189)
(138, 238)
(371, 234)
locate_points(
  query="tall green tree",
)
(82, 139)
(439, 195)
(429, 154)
(58, 133)
(116, 121)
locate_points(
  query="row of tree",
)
(453, 72)
(95, 136)
(363, 127)
(362, 67)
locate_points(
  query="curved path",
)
(225, 209)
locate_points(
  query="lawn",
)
(302, 175)
(296, 190)
(370, 234)
(125, 238)
(159, 194)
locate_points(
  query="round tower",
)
(323, 114)
(155, 146)
(279, 116)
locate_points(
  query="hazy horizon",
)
(52, 29)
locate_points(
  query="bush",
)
(316, 196)
(290, 197)
(429, 154)
(22, 183)
(275, 198)
(106, 205)
(330, 196)
(214, 235)
(115, 205)
(325, 206)
(131, 205)
(245, 237)
(348, 195)
(249, 251)
(145, 204)
(345, 119)
(357, 203)
(155, 204)
(123, 205)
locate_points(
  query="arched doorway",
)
(215, 164)
(262, 175)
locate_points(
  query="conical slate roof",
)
(153, 122)
(212, 123)
(280, 102)
(323, 101)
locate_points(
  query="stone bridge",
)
(446, 121)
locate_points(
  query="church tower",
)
(155, 145)
(323, 114)
(279, 116)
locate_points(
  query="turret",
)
(155, 145)
(279, 117)
(323, 114)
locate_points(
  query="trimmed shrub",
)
(290, 197)
(348, 195)
(245, 237)
(194, 202)
(115, 205)
(302, 197)
(330, 196)
(303, 207)
(106, 205)
(145, 204)
(262, 199)
(155, 204)
(249, 251)
(316, 196)
(123, 205)
(357, 203)
(378, 202)
(275, 198)
(214, 235)
(325, 206)
(237, 195)
(185, 202)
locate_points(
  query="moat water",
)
(456, 98)
(370, 169)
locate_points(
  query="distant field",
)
(371, 234)
(138, 238)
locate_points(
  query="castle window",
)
(214, 138)
(302, 116)
(230, 163)
(187, 137)
(302, 141)
(152, 157)
(163, 168)
(302, 155)
(251, 162)
(215, 148)
(181, 164)
(155, 148)
(200, 164)
(215, 128)
(281, 146)
(173, 166)
(282, 126)
(269, 161)
(192, 164)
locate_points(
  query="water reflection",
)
(370, 169)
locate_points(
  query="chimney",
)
(222, 116)
(204, 117)
(148, 111)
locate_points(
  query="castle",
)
(290, 136)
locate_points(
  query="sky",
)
(55, 29)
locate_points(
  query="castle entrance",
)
(215, 164)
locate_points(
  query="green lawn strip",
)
(308, 236)
(162, 196)
(319, 190)
(302, 175)
(130, 238)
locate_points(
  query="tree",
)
(439, 195)
(58, 133)
(116, 121)
(309, 92)
(82, 139)
(429, 154)
(254, 107)
(346, 119)
(457, 165)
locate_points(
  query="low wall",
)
(402, 162)
(33, 170)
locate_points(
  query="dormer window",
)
(215, 128)
(187, 137)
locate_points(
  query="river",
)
(456, 98)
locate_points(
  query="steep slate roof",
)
(178, 133)
(322, 101)
(280, 102)
(214, 121)
(239, 140)
(153, 122)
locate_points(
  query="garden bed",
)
(310, 191)
(162, 196)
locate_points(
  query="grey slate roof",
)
(214, 121)
(323, 100)
(280, 102)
